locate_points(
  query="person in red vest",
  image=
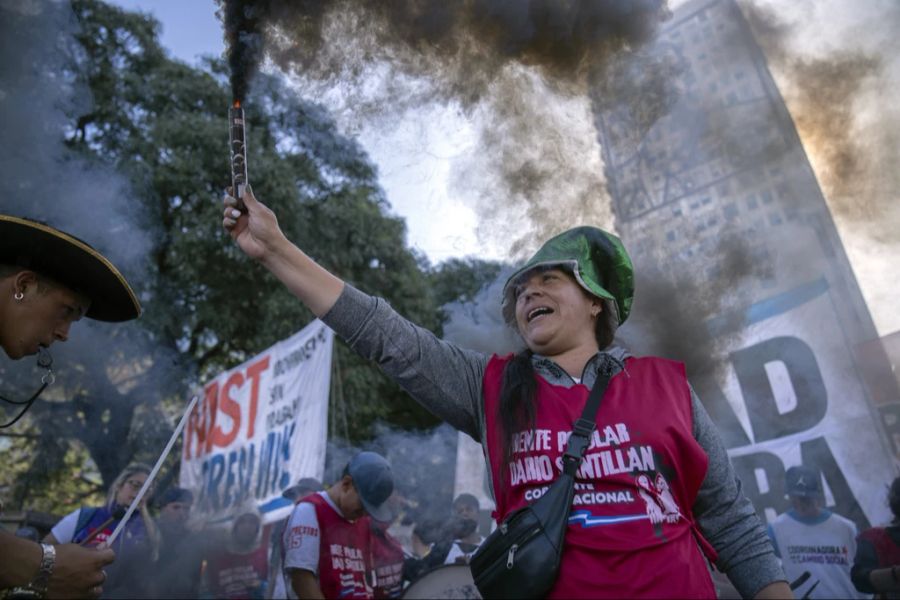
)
(328, 541)
(656, 484)
(240, 568)
(387, 561)
(876, 566)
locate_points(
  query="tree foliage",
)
(162, 124)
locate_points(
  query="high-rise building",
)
(709, 178)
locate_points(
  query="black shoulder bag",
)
(520, 559)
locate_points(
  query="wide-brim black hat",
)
(71, 262)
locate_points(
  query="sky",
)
(420, 158)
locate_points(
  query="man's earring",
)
(18, 296)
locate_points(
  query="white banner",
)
(793, 396)
(260, 427)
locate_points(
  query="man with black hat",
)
(48, 280)
(327, 545)
(810, 538)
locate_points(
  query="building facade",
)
(712, 191)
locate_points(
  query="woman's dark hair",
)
(517, 408)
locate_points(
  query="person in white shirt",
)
(809, 538)
(467, 539)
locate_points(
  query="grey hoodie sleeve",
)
(727, 518)
(442, 377)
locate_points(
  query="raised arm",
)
(444, 378)
(257, 233)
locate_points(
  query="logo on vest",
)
(661, 506)
(346, 558)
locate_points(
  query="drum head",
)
(446, 582)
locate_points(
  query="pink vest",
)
(387, 560)
(233, 575)
(344, 561)
(631, 531)
(886, 550)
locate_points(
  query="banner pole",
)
(162, 457)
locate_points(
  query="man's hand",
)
(256, 229)
(78, 572)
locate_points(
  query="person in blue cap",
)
(327, 542)
(655, 485)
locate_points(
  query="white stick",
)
(137, 499)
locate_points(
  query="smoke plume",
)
(478, 324)
(519, 71)
(828, 95)
(692, 319)
(841, 95)
(422, 462)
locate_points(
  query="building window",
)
(730, 211)
(723, 189)
(670, 236)
(751, 201)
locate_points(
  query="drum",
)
(446, 582)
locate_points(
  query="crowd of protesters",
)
(340, 541)
(337, 541)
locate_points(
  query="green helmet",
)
(597, 260)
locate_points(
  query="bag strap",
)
(584, 426)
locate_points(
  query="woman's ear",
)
(596, 308)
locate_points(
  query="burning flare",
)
(237, 136)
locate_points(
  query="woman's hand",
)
(255, 229)
(257, 233)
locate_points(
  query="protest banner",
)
(260, 427)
